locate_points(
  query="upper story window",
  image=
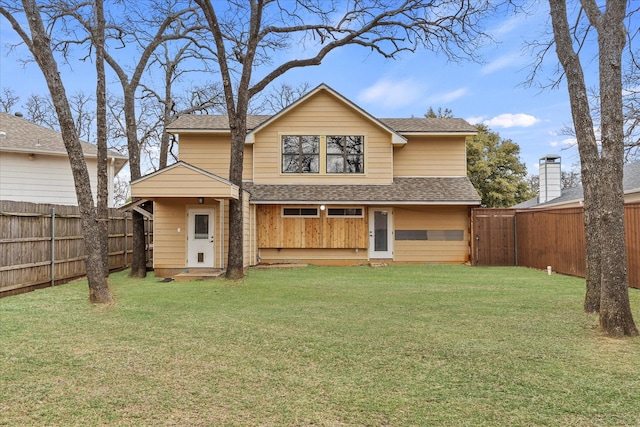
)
(300, 154)
(345, 154)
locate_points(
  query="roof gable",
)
(395, 136)
(183, 180)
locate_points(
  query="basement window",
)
(302, 212)
(344, 213)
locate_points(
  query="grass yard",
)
(321, 346)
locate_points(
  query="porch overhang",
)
(183, 180)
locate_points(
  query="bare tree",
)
(250, 34)
(146, 26)
(38, 42)
(607, 285)
(8, 99)
(281, 97)
(205, 98)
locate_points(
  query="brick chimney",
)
(550, 183)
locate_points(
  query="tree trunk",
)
(615, 311)
(139, 256)
(601, 171)
(235, 259)
(40, 48)
(101, 123)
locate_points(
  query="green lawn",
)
(345, 346)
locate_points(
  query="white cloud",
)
(512, 120)
(392, 93)
(475, 120)
(450, 96)
(504, 61)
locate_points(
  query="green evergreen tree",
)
(495, 169)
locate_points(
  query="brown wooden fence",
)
(43, 245)
(540, 238)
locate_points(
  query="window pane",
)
(201, 226)
(335, 164)
(355, 163)
(380, 233)
(355, 144)
(309, 211)
(290, 145)
(311, 144)
(291, 211)
(335, 144)
(290, 163)
(310, 164)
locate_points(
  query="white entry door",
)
(200, 241)
(380, 233)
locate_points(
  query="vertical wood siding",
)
(275, 231)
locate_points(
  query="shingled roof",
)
(20, 135)
(440, 190)
(213, 123)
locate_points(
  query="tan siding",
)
(213, 153)
(181, 181)
(323, 115)
(432, 218)
(170, 250)
(431, 156)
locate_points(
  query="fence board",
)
(547, 237)
(26, 244)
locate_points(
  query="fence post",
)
(126, 246)
(53, 246)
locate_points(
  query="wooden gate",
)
(494, 239)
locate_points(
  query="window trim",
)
(361, 215)
(344, 155)
(300, 215)
(318, 155)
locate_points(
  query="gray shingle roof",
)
(442, 190)
(630, 181)
(206, 122)
(22, 135)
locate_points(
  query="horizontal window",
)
(436, 235)
(300, 212)
(344, 212)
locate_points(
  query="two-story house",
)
(324, 182)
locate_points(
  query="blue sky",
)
(491, 92)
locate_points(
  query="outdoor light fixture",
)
(322, 207)
(200, 200)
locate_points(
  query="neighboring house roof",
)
(436, 190)
(396, 126)
(630, 184)
(19, 135)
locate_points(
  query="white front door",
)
(380, 233)
(200, 241)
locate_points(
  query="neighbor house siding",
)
(44, 179)
(213, 154)
(323, 115)
(432, 156)
(432, 218)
